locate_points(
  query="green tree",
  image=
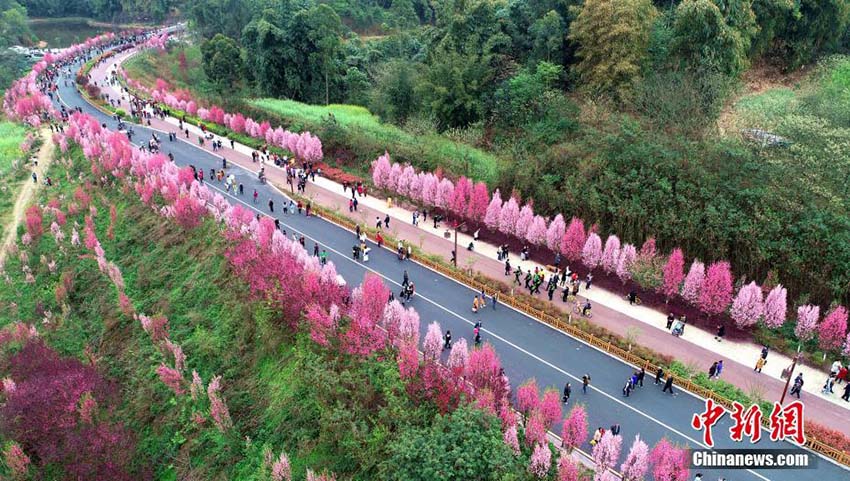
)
(394, 98)
(548, 33)
(222, 61)
(612, 38)
(14, 28)
(816, 28)
(452, 88)
(466, 444)
(326, 28)
(228, 17)
(707, 39)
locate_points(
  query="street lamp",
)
(788, 381)
(458, 226)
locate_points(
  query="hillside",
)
(327, 410)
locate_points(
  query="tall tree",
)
(708, 37)
(612, 38)
(222, 61)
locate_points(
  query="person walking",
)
(507, 268)
(271, 205)
(256, 194)
(447, 340)
(721, 331)
(641, 375)
(316, 249)
(387, 221)
(517, 273)
(405, 279)
(827, 387)
(668, 385)
(659, 375)
(378, 223)
(627, 388)
(670, 319)
(588, 280)
(495, 298)
(798, 385)
(712, 371)
(719, 369)
(759, 364)
(585, 381)
(568, 390)
(846, 395)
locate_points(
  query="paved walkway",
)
(646, 326)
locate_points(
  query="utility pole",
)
(788, 381)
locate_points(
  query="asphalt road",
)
(527, 348)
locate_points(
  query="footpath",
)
(644, 326)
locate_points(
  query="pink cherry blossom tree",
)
(363, 336)
(408, 174)
(775, 308)
(478, 202)
(832, 329)
(567, 468)
(637, 461)
(535, 429)
(591, 253)
(716, 291)
(381, 168)
(433, 343)
(430, 185)
(611, 253)
(537, 232)
(807, 320)
(445, 190)
(459, 202)
(674, 273)
(512, 440)
(395, 174)
(523, 223)
(846, 351)
(509, 216)
(607, 452)
(459, 357)
(281, 470)
(628, 255)
(574, 240)
(555, 233)
(528, 397)
(540, 461)
(748, 306)
(574, 428)
(669, 463)
(494, 212)
(550, 406)
(692, 287)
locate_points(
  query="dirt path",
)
(45, 157)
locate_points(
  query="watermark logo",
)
(752, 459)
(786, 422)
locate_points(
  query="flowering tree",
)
(775, 308)
(807, 320)
(591, 254)
(363, 336)
(381, 171)
(692, 286)
(537, 232)
(748, 306)
(478, 202)
(832, 330)
(430, 185)
(528, 397)
(16, 460)
(669, 463)
(567, 469)
(637, 461)
(555, 233)
(281, 470)
(459, 357)
(408, 174)
(607, 452)
(171, 378)
(611, 254)
(395, 175)
(523, 223)
(628, 255)
(574, 429)
(540, 461)
(484, 371)
(846, 351)
(493, 216)
(674, 273)
(433, 342)
(512, 440)
(716, 291)
(535, 429)
(445, 190)
(218, 409)
(550, 406)
(574, 240)
(509, 216)
(460, 196)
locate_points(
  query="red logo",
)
(707, 420)
(785, 422)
